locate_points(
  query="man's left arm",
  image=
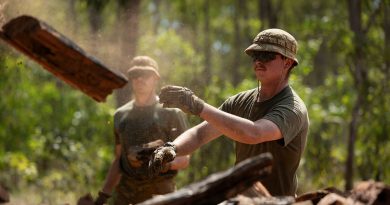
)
(241, 129)
(234, 127)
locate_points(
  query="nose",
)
(258, 62)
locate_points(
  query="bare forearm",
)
(112, 178)
(234, 127)
(180, 162)
(194, 138)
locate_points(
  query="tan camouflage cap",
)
(275, 40)
(143, 63)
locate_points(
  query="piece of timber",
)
(220, 186)
(61, 56)
(370, 192)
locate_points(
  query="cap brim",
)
(142, 68)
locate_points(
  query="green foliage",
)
(56, 141)
(50, 133)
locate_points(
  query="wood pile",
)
(61, 57)
(366, 192)
(231, 188)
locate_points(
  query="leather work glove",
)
(161, 158)
(102, 198)
(141, 154)
(181, 97)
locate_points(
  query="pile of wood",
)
(231, 188)
(366, 192)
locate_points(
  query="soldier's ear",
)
(288, 63)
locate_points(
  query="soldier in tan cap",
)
(270, 118)
(139, 125)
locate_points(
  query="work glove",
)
(161, 158)
(102, 198)
(87, 199)
(181, 97)
(141, 154)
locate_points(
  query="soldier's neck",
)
(145, 100)
(267, 92)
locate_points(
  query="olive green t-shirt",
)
(289, 113)
(136, 125)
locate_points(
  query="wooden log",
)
(61, 56)
(333, 199)
(245, 200)
(220, 186)
(316, 196)
(4, 196)
(370, 192)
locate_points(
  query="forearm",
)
(234, 127)
(194, 138)
(112, 178)
(180, 162)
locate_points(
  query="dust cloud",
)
(67, 18)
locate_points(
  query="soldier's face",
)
(144, 82)
(270, 68)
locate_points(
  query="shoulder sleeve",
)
(291, 120)
(117, 140)
(116, 124)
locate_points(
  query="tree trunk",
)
(360, 82)
(237, 51)
(386, 29)
(128, 35)
(268, 14)
(207, 43)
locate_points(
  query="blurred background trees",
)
(58, 143)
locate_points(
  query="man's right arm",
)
(112, 178)
(114, 173)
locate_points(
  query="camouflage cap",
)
(143, 63)
(275, 40)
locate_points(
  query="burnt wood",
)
(61, 56)
(220, 186)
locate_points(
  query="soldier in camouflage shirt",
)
(137, 123)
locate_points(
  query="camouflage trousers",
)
(131, 191)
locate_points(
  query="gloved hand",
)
(141, 154)
(102, 198)
(181, 97)
(160, 159)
